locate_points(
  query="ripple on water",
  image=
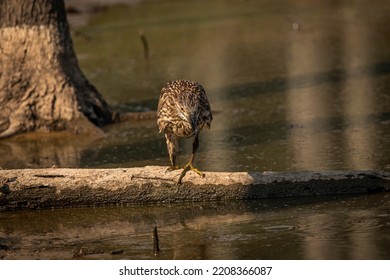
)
(279, 228)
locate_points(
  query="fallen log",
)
(65, 187)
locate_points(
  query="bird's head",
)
(189, 113)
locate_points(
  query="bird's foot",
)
(171, 168)
(187, 168)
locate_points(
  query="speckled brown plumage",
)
(183, 110)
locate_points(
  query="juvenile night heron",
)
(183, 110)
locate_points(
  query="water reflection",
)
(348, 227)
(308, 107)
(349, 96)
(43, 150)
(359, 104)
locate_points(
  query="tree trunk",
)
(41, 84)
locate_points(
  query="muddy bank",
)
(47, 188)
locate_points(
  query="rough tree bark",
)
(41, 84)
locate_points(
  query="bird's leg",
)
(172, 151)
(189, 165)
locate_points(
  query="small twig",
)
(49, 176)
(156, 245)
(152, 178)
(144, 44)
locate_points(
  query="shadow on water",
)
(138, 106)
(265, 132)
(147, 150)
(282, 84)
(294, 228)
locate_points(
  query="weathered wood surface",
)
(58, 187)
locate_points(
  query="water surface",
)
(344, 227)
